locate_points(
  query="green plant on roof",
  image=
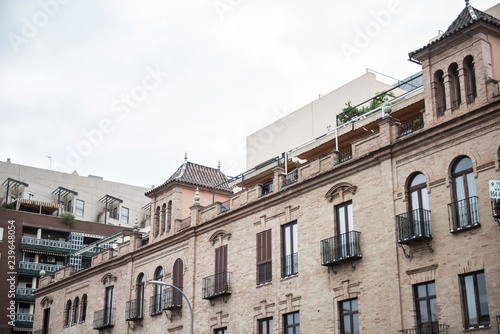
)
(350, 112)
(68, 219)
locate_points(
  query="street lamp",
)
(185, 297)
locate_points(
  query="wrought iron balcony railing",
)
(155, 304)
(104, 318)
(23, 293)
(463, 214)
(47, 245)
(24, 318)
(134, 309)
(34, 268)
(292, 177)
(414, 226)
(290, 265)
(411, 125)
(172, 299)
(217, 285)
(264, 272)
(340, 248)
(432, 329)
(345, 154)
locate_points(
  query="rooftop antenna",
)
(218, 165)
(49, 157)
(185, 156)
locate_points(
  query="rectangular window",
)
(266, 326)
(349, 321)
(292, 323)
(1, 234)
(264, 259)
(31, 196)
(69, 208)
(124, 215)
(426, 305)
(80, 206)
(220, 331)
(108, 310)
(475, 299)
(290, 265)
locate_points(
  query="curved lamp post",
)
(185, 297)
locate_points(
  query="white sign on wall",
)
(494, 188)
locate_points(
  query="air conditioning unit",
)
(51, 259)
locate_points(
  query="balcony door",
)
(344, 226)
(419, 202)
(178, 281)
(220, 269)
(426, 305)
(108, 311)
(46, 321)
(140, 296)
(465, 193)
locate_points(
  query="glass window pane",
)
(434, 309)
(295, 240)
(289, 331)
(296, 318)
(463, 164)
(346, 306)
(423, 311)
(431, 289)
(288, 248)
(483, 298)
(347, 324)
(470, 299)
(342, 220)
(355, 323)
(417, 180)
(289, 319)
(354, 304)
(421, 291)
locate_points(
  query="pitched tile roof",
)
(467, 17)
(197, 175)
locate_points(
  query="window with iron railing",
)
(289, 261)
(413, 225)
(216, 285)
(411, 125)
(341, 247)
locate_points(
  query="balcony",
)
(434, 329)
(414, 226)
(411, 125)
(33, 269)
(24, 320)
(463, 214)
(264, 272)
(292, 177)
(47, 245)
(25, 294)
(290, 265)
(103, 318)
(217, 285)
(134, 310)
(155, 304)
(172, 299)
(43, 331)
(342, 247)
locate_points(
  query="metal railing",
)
(24, 317)
(345, 154)
(292, 177)
(414, 225)
(39, 266)
(264, 272)
(433, 329)
(341, 247)
(411, 125)
(42, 331)
(216, 285)
(155, 304)
(173, 299)
(226, 206)
(498, 324)
(290, 265)
(104, 318)
(134, 309)
(48, 244)
(185, 223)
(20, 290)
(463, 214)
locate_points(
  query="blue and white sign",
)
(494, 189)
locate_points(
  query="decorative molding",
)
(340, 190)
(46, 302)
(222, 234)
(108, 279)
(421, 269)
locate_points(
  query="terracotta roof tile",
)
(467, 17)
(197, 175)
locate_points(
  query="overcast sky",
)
(122, 88)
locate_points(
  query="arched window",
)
(169, 216)
(157, 221)
(140, 295)
(419, 205)
(83, 313)
(178, 281)
(76, 310)
(470, 79)
(464, 210)
(162, 217)
(440, 92)
(454, 86)
(67, 315)
(157, 298)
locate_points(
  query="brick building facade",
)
(383, 226)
